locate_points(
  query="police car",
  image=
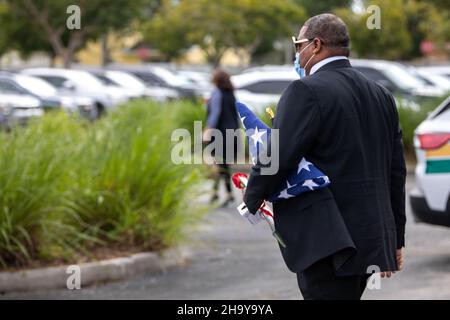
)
(430, 199)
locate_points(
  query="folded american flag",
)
(306, 177)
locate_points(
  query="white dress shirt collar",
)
(323, 62)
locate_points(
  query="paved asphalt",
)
(234, 260)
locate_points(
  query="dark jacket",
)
(348, 127)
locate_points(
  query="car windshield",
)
(125, 80)
(87, 80)
(170, 77)
(36, 86)
(402, 78)
(105, 80)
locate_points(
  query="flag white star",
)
(257, 136)
(310, 184)
(304, 165)
(326, 179)
(284, 193)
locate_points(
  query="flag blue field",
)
(306, 177)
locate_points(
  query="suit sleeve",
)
(398, 180)
(298, 122)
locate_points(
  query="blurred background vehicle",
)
(430, 199)
(395, 77)
(136, 87)
(80, 83)
(430, 78)
(18, 108)
(113, 86)
(260, 89)
(18, 84)
(155, 76)
(200, 79)
(48, 95)
(440, 70)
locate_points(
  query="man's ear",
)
(317, 45)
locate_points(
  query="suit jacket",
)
(348, 126)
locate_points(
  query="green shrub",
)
(67, 186)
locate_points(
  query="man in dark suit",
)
(348, 127)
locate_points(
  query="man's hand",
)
(399, 258)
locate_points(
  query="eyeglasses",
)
(298, 42)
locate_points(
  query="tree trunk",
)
(67, 57)
(106, 55)
(52, 56)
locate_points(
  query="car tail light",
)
(431, 141)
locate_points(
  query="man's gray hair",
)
(331, 30)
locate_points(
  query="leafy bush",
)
(67, 186)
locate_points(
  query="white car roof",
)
(81, 76)
(252, 77)
(376, 64)
(436, 69)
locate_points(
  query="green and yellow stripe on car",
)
(438, 160)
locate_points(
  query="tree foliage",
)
(220, 25)
(32, 25)
(404, 25)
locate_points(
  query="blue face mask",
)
(297, 63)
(298, 69)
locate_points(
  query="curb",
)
(94, 272)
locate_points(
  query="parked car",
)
(136, 86)
(394, 77)
(443, 70)
(260, 89)
(15, 84)
(431, 79)
(430, 199)
(198, 78)
(18, 108)
(80, 83)
(48, 95)
(111, 85)
(160, 77)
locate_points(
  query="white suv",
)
(81, 83)
(430, 198)
(261, 89)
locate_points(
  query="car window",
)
(169, 77)
(125, 80)
(372, 74)
(267, 87)
(442, 112)
(105, 80)
(54, 80)
(376, 75)
(149, 78)
(402, 78)
(36, 85)
(9, 87)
